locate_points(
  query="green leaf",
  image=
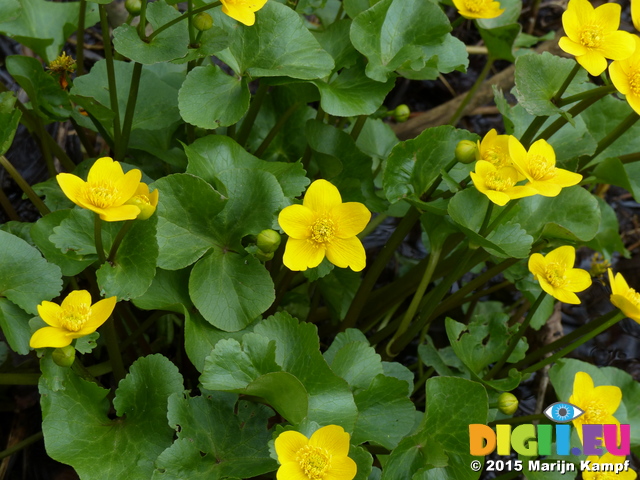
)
(25, 277)
(9, 119)
(277, 45)
(186, 211)
(444, 57)
(335, 40)
(230, 290)
(356, 362)
(55, 199)
(14, 323)
(377, 139)
(415, 164)
(210, 155)
(539, 77)
(388, 35)
(512, 8)
(385, 413)
(45, 94)
(75, 234)
(70, 263)
(500, 40)
(250, 369)
(78, 432)
(614, 172)
(44, 26)
(298, 352)
(573, 215)
(134, 265)
(218, 437)
(607, 240)
(209, 98)
(338, 290)
(168, 45)
(441, 446)
(352, 93)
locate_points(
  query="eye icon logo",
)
(562, 412)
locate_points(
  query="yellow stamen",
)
(74, 317)
(497, 156)
(555, 274)
(101, 194)
(633, 297)
(591, 36)
(475, 6)
(595, 413)
(314, 461)
(497, 182)
(634, 82)
(322, 230)
(541, 168)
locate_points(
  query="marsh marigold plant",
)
(324, 456)
(106, 190)
(76, 317)
(323, 225)
(242, 10)
(146, 201)
(556, 274)
(624, 297)
(593, 35)
(625, 75)
(478, 8)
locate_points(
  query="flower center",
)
(101, 194)
(497, 156)
(141, 200)
(591, 36)
(555, 274)
(633, 297)
(74, 317)
(322, 230)
(500, 183)
(541, 167)
(314, 461)
(634, 82)
(242, 3)
(475, 6)
(595, 413)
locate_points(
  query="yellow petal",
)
(71, 186)
(322, 197)
(546, 286)
(608, 16)
(634, 102)
(618, 45)
(610, 395)
(118, 214)
(537, 264)
(105, 168)
(350, 218)
(565, 178)
(571, 24)
(347, 252)
(582, 390)
(571, 47)
(76, 298)
(520, 192)
(577, 280)
(50, 313)
(288, 444)
(519, 155)
(342, 468)
(499, 198)
(153, 197)
(291, 471)
(296, 221)
(100, 312)
(127, 185)
(483, 168)
(593, 62)
(635, 13)
(542, 148)
(332, 438)
(50, 337)
(545, 189)
(565, 296)
(626, 306)
(565, 256)
(619, 284)
(302, 254)
(243, 15)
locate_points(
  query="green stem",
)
(483, 75)
(36, 437)
(567, 81)
(505, 211)
(192, 36)
(369, 281)
(457, 22)
(142, 25)
(434, 257)
(7, 207)
(487, 218)
(276, 129)
(250, 118)
(97, 234)
(629, 158)
(170, 24)
(372, 225)
(19, 378)
(359, 125)
(625, 125)
(80, 39)
(122, 143)
(113, 348)
(581, 96)
(111, 75)
(516, 338)
(602, 326)
(24, 186)
(532, 129)
(118, 240)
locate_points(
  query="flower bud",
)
(64, 356)
(268, 240)
(466, 151)
(134, 7)
(401, 113)
(263, 256)
(507, 403)
(202, 21)
(145, 201)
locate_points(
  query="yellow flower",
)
(499, 184)
(625, 75)
(106, 190)
(321, 457)
(624, 297)
(494, 148)
(557, 276)
(593, 35)
(323, 225)
(608, 458)
(539, 167)
(598, 404)
(242, 10)
(145, 201)
(635, 13)
(478, 8)
(75, 318)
